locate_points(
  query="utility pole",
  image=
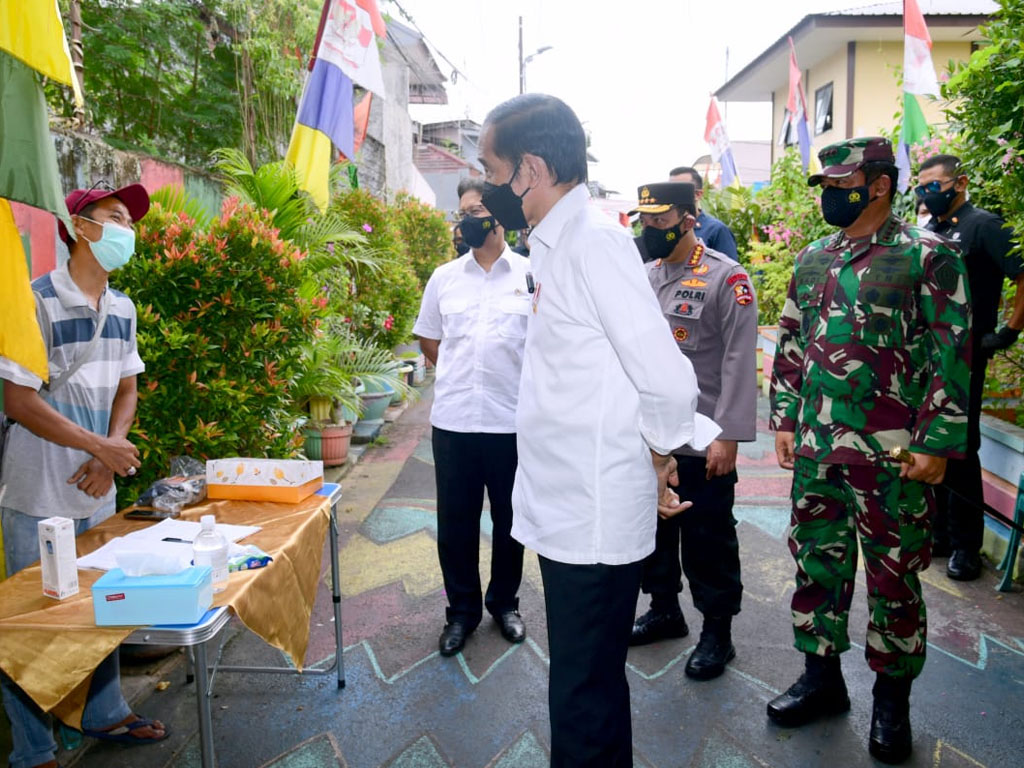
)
(522, 66)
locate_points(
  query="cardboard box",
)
(281, 480)
(141, 601)
(57, 557)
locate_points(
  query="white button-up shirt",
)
(480, 318)
(603, 382)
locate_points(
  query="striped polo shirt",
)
(35, 471)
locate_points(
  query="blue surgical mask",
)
(115, 247)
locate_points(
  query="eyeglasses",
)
(931, 187)
(102, 183)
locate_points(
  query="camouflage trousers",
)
(833, 504)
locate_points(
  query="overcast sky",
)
(638, 74)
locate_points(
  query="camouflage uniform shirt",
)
(873, 348)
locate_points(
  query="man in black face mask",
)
(872, 355)
(709, 304)
(472, 327)
(986, 245)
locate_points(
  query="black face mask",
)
(461, 248)
(938, 203)
(475, 230)
(661, 242)
(504, 204)
(841, 207)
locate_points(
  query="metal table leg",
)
(336, 596)
(203, 704)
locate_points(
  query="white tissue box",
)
(57, 557)
(172, 598)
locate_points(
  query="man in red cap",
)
(74, 429)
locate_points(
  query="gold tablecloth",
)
(50, 648)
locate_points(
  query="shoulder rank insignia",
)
(680, 334)
(695, 255)
(702, 269)
(693, 282)
(742, 292)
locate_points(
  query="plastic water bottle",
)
(211, 548)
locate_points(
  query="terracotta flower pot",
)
(329, 443)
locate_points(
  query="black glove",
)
(1001, 339)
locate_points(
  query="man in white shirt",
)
(472, 327)
(604, 399)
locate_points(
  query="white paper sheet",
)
(154, 538)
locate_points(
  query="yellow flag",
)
(32, 31)
(20, 338)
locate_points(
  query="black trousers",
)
(465, 463)
(957, 523)
(704, 537)
(590, 612)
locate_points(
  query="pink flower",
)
(367, 228)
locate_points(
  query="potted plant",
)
(321, 387)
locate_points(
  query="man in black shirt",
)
(985, 242)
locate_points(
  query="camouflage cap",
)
(845, 157)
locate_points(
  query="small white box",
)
(57, 557)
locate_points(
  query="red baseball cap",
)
(134, 196)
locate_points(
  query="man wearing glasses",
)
(987, 248)
(71, 437)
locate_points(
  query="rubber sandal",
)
(125, 734)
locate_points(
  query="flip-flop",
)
(125, 734)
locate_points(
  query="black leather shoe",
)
(654, 626)
(453, 638)
(512, 627)
(963, 565)
(891, 740)
(820, 691)
(714, 650)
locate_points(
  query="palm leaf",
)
(173, 198)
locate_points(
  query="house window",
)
(823, 109)
(787, 133)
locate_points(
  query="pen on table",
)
(174, 540)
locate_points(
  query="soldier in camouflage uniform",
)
(872, 354)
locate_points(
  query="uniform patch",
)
(686, 308)
(742, 291)
(695, 256)
(703, 269)
(946, 274)
(693, 283)
(688, 294)
(736, 278)
(681, 334)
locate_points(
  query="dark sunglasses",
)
(932, 186)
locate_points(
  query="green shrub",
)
(383, 301)
(424, 233)
(221, 327)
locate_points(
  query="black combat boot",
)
(714, 649)
(819, 692)
(891, 740)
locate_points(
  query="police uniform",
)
(711, 308)
(872, 354)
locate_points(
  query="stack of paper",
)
(165, 539)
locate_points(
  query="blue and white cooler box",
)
(172, 598)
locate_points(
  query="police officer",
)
(987, 248)
(710, 306)
(872, 354)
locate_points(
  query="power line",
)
(408, 17)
